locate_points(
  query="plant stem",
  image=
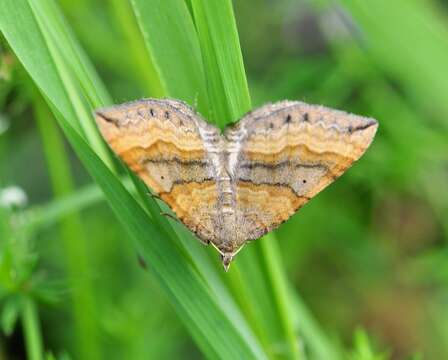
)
(277, 278)
(31, 329)
(236, 283)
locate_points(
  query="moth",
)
(234, 187)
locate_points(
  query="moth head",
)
(227, 252)
(226, 259)
(228, 255)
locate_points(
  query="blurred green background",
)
(367, 258)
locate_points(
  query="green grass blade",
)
(46, 215)
(167, 18)
(146, 73)
(73, 238)
(43, 216)
(219, 112)
(316, 340)
(32, 330)
(72, 71)
(223, 60)
(278, 284)
(172, 43)
(23, 36)
(407, 38)
(261, 273)
(91, 84)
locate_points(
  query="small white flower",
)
(13, 196)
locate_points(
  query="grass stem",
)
(278, 283)
(31, 330)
